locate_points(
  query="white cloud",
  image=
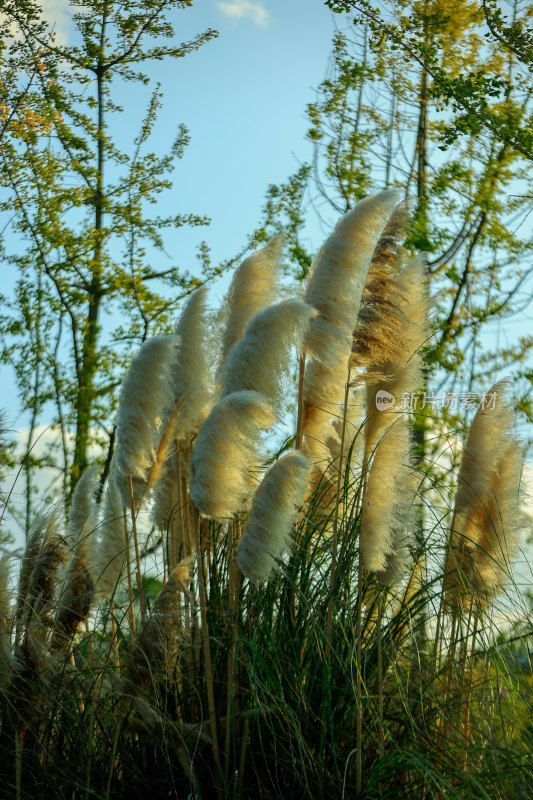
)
(56, 13)
(246, 9)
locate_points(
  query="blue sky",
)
(243, 98)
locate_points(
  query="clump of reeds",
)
(313, 677)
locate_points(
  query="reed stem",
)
(207, 653)
(358, 680)
(131, 614)
(138, 573)
(301, 409)
(380, 674)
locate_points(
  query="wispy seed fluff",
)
(487, 504)
(390, 252)
(226, 448)
(192, 380)
(144, 402)
(338, 274)
(109, 565)
(45, 552)
(395, 339)
(388, 503)
(83, 507)
(267, 533)
(83, 519)
(381, 308)
(157, 644)
(260, 360)
(335, 287)
(253, 287)
(78, 590)
(192, 387)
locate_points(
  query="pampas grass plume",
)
(487, 503)
(111, 551)
(191, 377)
(253, 287)
(335, 287)
(157, 643)
(388, 501)
(267, 533)
(83, 506)
(45, 552)
(394, 341)
(227, 446)
(144, 403)
(338, 274)
(260, 359)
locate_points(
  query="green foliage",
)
(465, 93)
(79, 201)
(391, 112)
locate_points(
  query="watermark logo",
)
(384, 400)
(446, 401)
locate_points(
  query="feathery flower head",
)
(267, 533)
(226, 448)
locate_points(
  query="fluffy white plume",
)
(166, 495)
(388, 500)
(487, 503)
(338, 274)
(109, 565)
(192, 380)
(157, 643)
(395, 363)
(144, 404)
(83, 516)
(226, 448)
(260, 361)
(253, 287)
(267, 533)
(335, 288)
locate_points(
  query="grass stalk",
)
(207, 654)
(138, 572)
(131, 608)
(358, 680)
(242, 762)
(232, 617)
(298, 441)
(381, 728)
(19, 742)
